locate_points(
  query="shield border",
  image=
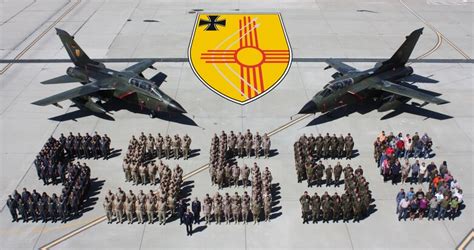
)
(267, 90)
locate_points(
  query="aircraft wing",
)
(70, 94)
(408, 92)
(61, 79)
(339, 66)
(141, 66)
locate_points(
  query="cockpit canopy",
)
(336, 85)
(146, 85)
(339, 84)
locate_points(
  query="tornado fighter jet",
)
(383, 83)
(101, 84)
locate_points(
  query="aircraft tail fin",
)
(77, 55)
(403, 53)
(159, 78)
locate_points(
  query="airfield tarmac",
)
(360, 31)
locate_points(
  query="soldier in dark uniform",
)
(77, 145)
(346, 206)
(326, 207)
(43, 210)
(319, 146)
(62, 209)
(309, 174)
(319, 173)
(326, 145)
(12, 205)
(305, 201)
(32, 210)
(357, 206)
(300, 171)
(333, 145)
(340, 146)
(337, 173)
(315, 207)
(328, 172)
(52, 208)
(196, 208)
(85, 145)
(348, 145)
(38, 164)
(336, 208)
(23, 210)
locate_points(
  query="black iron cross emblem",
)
(212, 22)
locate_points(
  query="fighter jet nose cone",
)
(175, 107)
(309, 108)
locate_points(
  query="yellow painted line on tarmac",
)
(436, 31)
(465, 242)
(289, 124)
(39, 37)
(73, 233)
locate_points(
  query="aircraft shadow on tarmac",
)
(114, 105)
(365, 108)
(371, 105)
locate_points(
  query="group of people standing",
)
(86, 146)
(313, 148)
(46, 207)
(148, 147)
(399, 146)
(238, 208)
(436, 203)
(443, 198)
(52, 161)
(155, 205)
(146, 172)
(354, 203)
(226, 146)
(392, 155)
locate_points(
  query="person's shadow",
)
(199, 229)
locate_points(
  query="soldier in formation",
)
(154, 205)
(149, 172)
(225, 146)
(52, 161)
(148, 147)
(66, 206)
(309, 149)
(238, 208)
(354, 203)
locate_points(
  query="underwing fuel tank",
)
(390, 105)
(87, 103)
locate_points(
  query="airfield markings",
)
(40, 36)
(441, 37)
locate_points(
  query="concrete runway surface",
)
(362, 31)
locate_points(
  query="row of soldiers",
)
(52, 161)
(309, 148)
(236, 207)
(146, 172)
(233, 175)
(161, 204)
(227, 146)
(314, 173)
(148, 147)
(86, 146)
(353, 203)
(63, 207)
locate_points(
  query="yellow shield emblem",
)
(240, 56)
